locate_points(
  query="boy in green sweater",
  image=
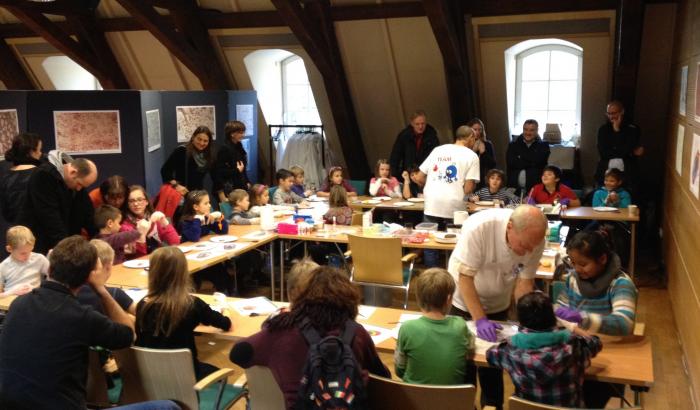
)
(434, 348)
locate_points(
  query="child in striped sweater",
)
(495, 190)
(598, 295)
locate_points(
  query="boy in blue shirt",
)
(610, 194)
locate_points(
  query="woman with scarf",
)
(188, 164)
(229, 171)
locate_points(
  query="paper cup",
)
(633, 210)
(459, 217)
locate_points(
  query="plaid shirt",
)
(546, 367)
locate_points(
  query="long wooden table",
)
(626, 360)
(360, 203)
(622, 215)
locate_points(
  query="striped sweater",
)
(504, 195)
(613, 312)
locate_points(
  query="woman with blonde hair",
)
(167, 316)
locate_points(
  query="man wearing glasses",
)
(57, 205)
(618, 146)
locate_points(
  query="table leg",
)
(633, 248)
(282, 270)
(272, 270)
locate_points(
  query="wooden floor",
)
(671, 389)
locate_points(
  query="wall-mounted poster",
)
(684, 90)
(9, 127)
(189, 117)
(87, 132)
(153, 128)
(679, 149)
(244, 114)
(695, 166)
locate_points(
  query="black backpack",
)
(332, 377)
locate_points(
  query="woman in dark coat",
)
(230, 168)
(188, 164)
(25, 156)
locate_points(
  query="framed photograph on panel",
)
(679, 149)
(87, 132)
(153, 129)
(695, 167)
(684, 90)
(9, 128)
(189, 117)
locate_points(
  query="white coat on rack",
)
(304, 150)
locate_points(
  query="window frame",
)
(519, 57)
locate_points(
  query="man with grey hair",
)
(56, 205)
(451, 172)
(497, 254)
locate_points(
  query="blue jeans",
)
(431, 257)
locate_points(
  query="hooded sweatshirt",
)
(546, 367)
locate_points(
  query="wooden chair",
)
(96, 384)
(516, 403)
(263, 391)
(356, 219)
(380, 262)
(157, 374)
(393, 394)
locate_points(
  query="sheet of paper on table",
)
(482, 345)
(378, 334)
(255, 306)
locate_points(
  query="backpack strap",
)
(349, 331)
(310, 334)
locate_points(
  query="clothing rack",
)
(275, 135)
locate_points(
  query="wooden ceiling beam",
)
(12, 72)
(175, 41)
(447, 21)
(252, 19)
(57, 7)
(110, 77)
(185, 15)
(313, 26)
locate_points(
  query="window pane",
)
(295, 72)
(533, 95)
(567, 118)
(540, 116)
(564, 66)
(562, 95)
(535, 66)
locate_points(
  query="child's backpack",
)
(332, 376)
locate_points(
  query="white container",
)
(460, 216)
(267, 218)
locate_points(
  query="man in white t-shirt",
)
(451, 173)
(497, 254)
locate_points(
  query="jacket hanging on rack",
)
(304, 150)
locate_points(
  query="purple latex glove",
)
(568, 314)
(486, 329)
(565, 202)
(531, 201)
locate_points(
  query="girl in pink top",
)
(384, 184)
(139, 207)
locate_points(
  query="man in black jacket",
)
(56, 205)
(413, 144)
(526, 157)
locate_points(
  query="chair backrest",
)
(356, 219)
(359, 185)
(393, 394)
(271, 191)
(157, 374)
(263, 390)
(516, 403)
(376, 260)
(226, 209)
